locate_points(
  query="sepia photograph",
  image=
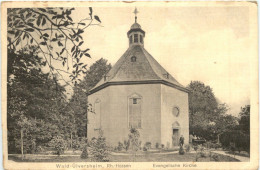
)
(130, 85)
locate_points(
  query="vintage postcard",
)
(130, 85)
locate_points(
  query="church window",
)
(133, 59)
(134, 111)
(176, 111)
(131, 39)
(135, 38)
(141, 39)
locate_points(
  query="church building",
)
(139, 93)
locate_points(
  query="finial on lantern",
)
(135, 12)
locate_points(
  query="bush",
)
(215, 157)
(148, 145)
(126, 144)
(120, 146)
(134, 136)
(202, 152)
(157, 145)
(212, 145)
(195, 147)
(162, 146)
(40, 149)
(99, 149)
(240, 140)
(84, 154)
(181, 151)
(59, 144)
(187, 148)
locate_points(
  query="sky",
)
(210, 44)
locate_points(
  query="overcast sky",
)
(209, 44)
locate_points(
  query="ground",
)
(147, 157)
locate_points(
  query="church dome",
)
(135, 26)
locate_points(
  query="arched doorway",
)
(175, 134)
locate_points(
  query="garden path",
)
(241, 158)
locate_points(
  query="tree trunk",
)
(22, 143)
(218, 138)
(71, 139)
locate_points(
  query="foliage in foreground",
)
(84, 154)
(55, 33)
(59, 144)
(99, 149)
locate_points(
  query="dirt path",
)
(241, 158)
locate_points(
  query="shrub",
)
(181, 151)
(134, 136)
(215, 157)
(99, 149)
(39, 149)
(240, 140)
(120, 146)
(202, 152)
(126, 144)
(59, 144)
(148, 145)
(157, 145)
(84, 154)
(140, 145)
(195, 147)
(144, 148)
(217, 145)
(162, 146)
(187, 148)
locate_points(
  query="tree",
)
(224, 122)
(238, 137)
(244, 122)
(54, 32)
(78, 104)
(34, 102)
(208, 118)
(99, 149)
(134, 136)
(202, 107)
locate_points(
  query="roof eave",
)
(94, 90)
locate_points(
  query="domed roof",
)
(135, 25)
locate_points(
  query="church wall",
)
(171, 98)
(114, 112)
(96, 119)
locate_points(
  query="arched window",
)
(134, 111)
(133, 59)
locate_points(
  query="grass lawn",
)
(149, 157)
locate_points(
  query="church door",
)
(175, 137)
